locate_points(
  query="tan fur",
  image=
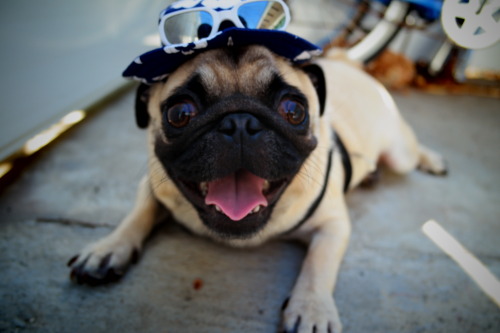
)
(358, 108)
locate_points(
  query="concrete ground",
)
(393, 278)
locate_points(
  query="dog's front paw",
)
(104, 261)
(311, 314)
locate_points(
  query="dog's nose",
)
(240, 126)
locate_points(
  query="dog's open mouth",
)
(237, 195)
(240, 194)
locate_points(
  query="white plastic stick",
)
(469, 263)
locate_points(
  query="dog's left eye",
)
(180, 114)
(292, 111)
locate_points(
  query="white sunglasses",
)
(194, 24)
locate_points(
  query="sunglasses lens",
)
(188, 27)
(263, 15)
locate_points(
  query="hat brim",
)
(156, 65)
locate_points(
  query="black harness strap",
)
(346, 162)
(318, 200)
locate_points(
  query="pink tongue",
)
(237, 194)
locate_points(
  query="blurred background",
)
(60, 56)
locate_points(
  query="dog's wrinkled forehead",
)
(244, 70)
(223, 72)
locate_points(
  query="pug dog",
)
(245, 146)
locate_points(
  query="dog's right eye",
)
(180, 114)
(292, 111)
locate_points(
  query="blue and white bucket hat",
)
(189, 27)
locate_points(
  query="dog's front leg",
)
(311, 307)
(107, 259)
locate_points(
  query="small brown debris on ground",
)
(197, 284)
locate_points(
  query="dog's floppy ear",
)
(317, 77)
(141, 105)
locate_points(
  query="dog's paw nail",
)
(134, 258)
(285, 304)
(103, 266)
(292, 326)
(297, 324)
(443, 172)
(72, 260)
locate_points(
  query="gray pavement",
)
(393, 279)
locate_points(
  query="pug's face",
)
(232, 128)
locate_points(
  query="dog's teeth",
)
(217, 208)
(266, 185)
(204, 188)
(256, 209)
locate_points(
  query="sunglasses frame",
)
(218, 16)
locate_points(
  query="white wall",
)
(61, 55)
